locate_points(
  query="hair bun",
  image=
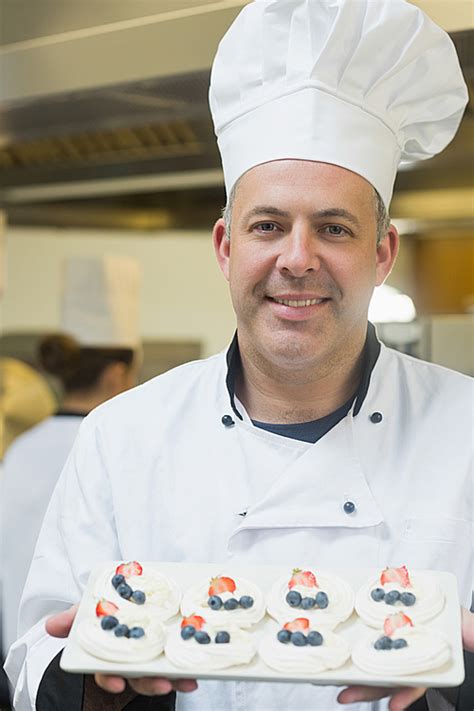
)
(58, 353)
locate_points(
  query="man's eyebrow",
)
(265, 210)
(337, 212)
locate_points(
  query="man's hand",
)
(60, 625)
(402, 698)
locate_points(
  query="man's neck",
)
(287, 396)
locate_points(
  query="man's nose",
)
(299, 253)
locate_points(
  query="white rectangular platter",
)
(447, 623)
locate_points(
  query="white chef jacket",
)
(156, 475)
(32, 466)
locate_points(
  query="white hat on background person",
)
(100, 301)
(363, 84)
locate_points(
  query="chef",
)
(307, 439)
(94, 358)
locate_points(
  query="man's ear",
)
(387, 251)
(221, 246)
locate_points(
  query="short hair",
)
(381, 213)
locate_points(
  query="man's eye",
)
(266, 226)
(336, 230)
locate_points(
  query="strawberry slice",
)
(221, 584)
(104, 608)
(395, 575)
(394, 622)
(302, 577)
(195, 620)
(129, 569)
(299, 625)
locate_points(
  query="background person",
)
(89, 372)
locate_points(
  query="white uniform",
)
(155, 475)
(32, 467)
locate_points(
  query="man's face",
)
(302, 261)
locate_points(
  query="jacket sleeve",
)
(78, 532)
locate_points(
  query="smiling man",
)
(308, 440)
(301, 254)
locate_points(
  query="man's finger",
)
(112, 684)
(401, 698)
(467, 629)
(151, 686)
(185, 685)
(60, 625)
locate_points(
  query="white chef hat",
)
(363, 84)
(100, 301)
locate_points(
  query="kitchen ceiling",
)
(93, 135)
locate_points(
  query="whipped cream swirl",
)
(105, 645)
(161, 592)
(340, 596)
(425, 650)
(189, 654)
(287, 657)
(195, 602)
(429, 600)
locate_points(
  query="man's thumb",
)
(60, 625)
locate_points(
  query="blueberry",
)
(307, 603)
(231, 604)
(392, 597)
(284, 636)
(202, 637)
(293, 598)
(136, 632)
(121, 631)
(383, 643)
(407, 598)
(138, 596)
(215, 602)
(108, 622)
(377, 594)
(298, 639)
(246, 602)
(322, 600)
(399, 643)
(315, 639)
(118, 580)
(124, 590)
(188, 631)
(222, 638)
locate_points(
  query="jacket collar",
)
(371, 354)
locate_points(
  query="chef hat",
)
(363, 84)
(100, 301)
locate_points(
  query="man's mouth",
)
(299, 302)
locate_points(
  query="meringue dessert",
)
(300, 648)
(135, 585)
(127, 634)
(223, 601)
(402, 648)
(200, 646)
(323, 598)
(396, 590)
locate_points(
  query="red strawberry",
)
(395, 575)
(129, 569)
(195, 620)
(303, 577)
(299, 625)
(393, 622)
(220, 584)
(104, 607)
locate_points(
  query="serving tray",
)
(447, 623)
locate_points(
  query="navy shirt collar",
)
(371, 354)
